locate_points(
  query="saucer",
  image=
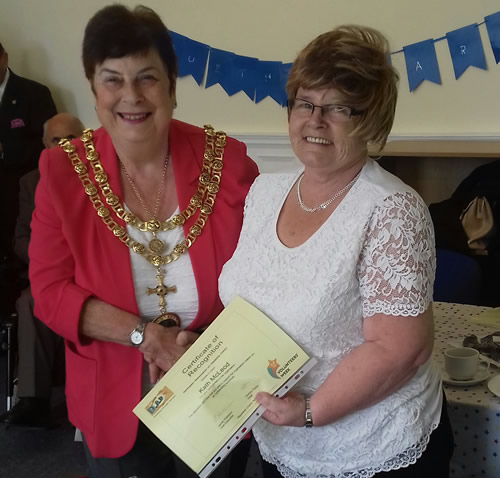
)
(481, 376)
(494, 385)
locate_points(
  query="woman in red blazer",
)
(158, 208)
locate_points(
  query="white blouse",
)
(374, 254)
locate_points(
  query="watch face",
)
(136, 337)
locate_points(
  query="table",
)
(474, 411)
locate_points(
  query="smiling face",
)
(319, 142)
(133, 99)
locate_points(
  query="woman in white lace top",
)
(342, 257)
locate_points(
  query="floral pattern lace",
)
(408, 457)
(398, 258)
(374, 254)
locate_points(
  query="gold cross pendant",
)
(161, 290)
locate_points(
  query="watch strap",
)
(138, 329)
(308, 414)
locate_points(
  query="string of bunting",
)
(260, 79)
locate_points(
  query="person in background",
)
(346, 264)
(132, 225)
(24, 107)
(39, 349)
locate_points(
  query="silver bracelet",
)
(308, 414)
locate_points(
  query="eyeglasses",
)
(305, 109)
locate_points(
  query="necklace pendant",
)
(157, 246)
(168, 319)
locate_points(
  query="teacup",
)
(462, 363)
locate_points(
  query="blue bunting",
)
(284, 72)
(219, 67)
(466, 49)
(260, 79)
(493, 27)
(191, 56)
(268, 81)
(242, 76)
(421, 63)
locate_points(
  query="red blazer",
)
(74, 256)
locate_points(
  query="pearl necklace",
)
(325, 204)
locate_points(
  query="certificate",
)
(204, 405)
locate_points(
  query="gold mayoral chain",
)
(203, 199)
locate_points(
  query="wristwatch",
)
(308, 415)
(137, 335)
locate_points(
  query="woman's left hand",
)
(155, 372)
(186, 338)
(160, 348)
(289, 410)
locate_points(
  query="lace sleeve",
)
(398, 261)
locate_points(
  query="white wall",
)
(43, 39)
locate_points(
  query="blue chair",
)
(458, 278)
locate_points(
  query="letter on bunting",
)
(466, 49)
(421, 63)
(219, 67)
(268, 81)
(191, 56)
(241, 76)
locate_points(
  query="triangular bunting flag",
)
(466, 49)
(269, 81)
(191, 56)
(493, 27)
(241, 76)
(421, 63)
(219, 66)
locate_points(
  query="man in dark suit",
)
(25, 105)
(40, 350)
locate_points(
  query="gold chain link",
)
(203, 198)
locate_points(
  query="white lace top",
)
(374, 254)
